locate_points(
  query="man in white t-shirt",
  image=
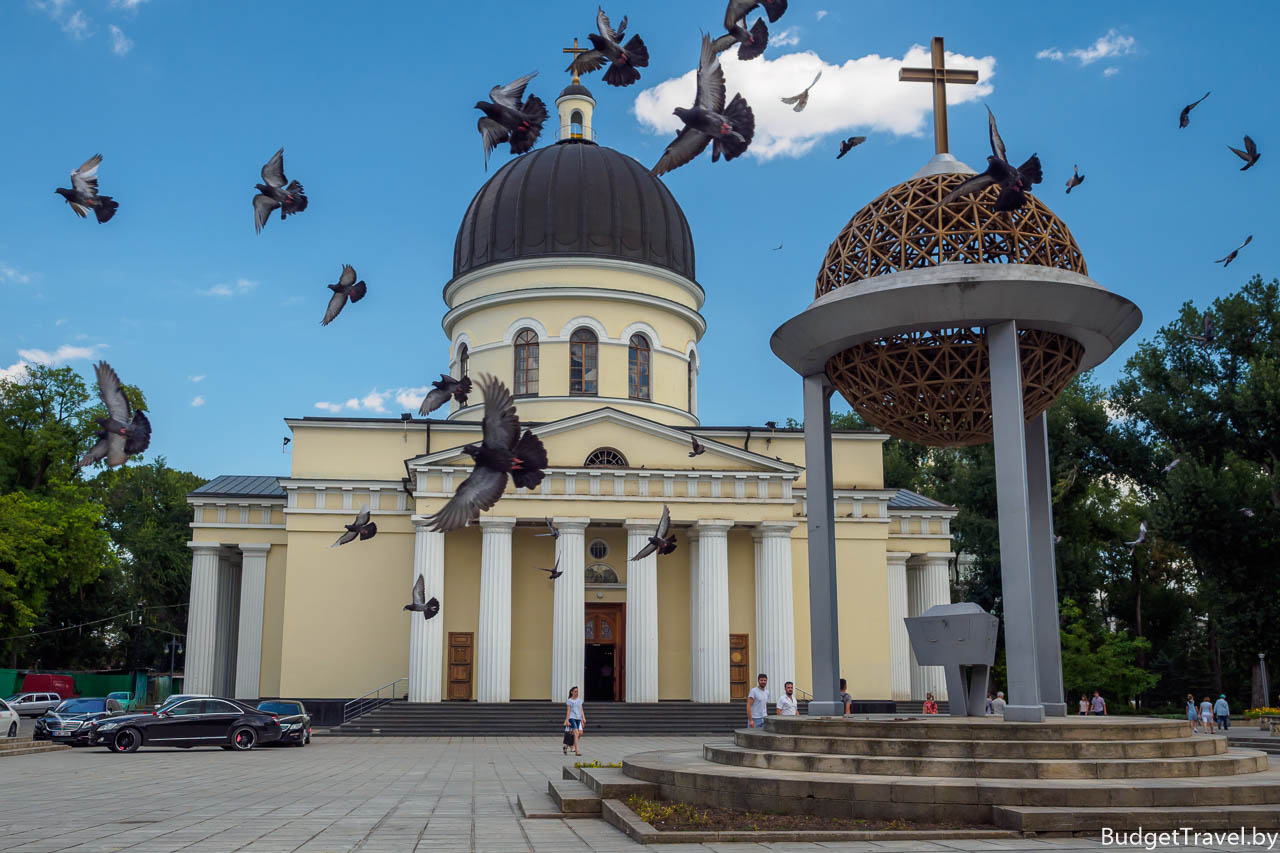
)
(758, 702)
(787, 701)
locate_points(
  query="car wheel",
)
(13, 730)
(244, 739)
(126, 740)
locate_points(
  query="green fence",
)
(94, 684)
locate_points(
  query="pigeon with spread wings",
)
(510, 117)
(552, 573)
(1207, 337)
(698, 449)
(1075, 180)
(849, 144)
(362, 528)
(800, 101)
(121, 434)
(276, 192)
(83, 194)
(608, 49)
(420, 603)
(1226, 262)
(662, 542)
(1184, 118)
(1013, 182)
(346, 289)
(458, 389)
(502, 451)
(728, 129)
(1249, 155)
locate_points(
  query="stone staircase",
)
(581, 793)
(1261, 741)
(27, 746)
(1073, 775)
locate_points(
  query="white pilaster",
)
(899, 644)
(695, 613)
(426, 636)
(915, 599)
(253, 594)
(493, 643)
(569, 608)
(642, 614)
(775, 613)
(713, 621)
(202, 617)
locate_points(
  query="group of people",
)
(1097, 706)
(1208, 714)
(758, 701)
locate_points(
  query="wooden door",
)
(606, 626)
(739, 666)
(461, 656)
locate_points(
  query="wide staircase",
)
(1060, 776)
(13, 746)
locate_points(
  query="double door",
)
(604, 660)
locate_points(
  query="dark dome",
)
(577, 89)
(574, 198)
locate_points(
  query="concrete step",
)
(536, 806)
(1233, 763)
(30, 747)
(1007, 749)
(573, 797)
(610, 783)
(982, 728)
(1047, 819)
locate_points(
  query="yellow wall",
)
(673, 625)
(273, 621)
(742, 593)
(532, 596)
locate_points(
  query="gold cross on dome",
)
(939, 75)
(576, 51)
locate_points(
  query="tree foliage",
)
(1096, 658)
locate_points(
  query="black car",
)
(189, 723)
(295, 722)
(70, 722)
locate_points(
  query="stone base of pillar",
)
(1024, 713)
(1054, 709)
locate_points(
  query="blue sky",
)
(373, 103)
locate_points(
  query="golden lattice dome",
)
(933, 385)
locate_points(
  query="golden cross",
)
(939, 75)
(576, 51)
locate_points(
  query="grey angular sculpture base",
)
(960, 638)
(818, 708)
(1024, 713)
(1054, 709)
(967, 689)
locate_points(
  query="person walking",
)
(1098, 705)
(997, 704)
(1222, 712)
(1206, 715)
(787, 706)
(575, 721)
(1193, 713)
(758, 702)
(930, 706)
(1084, 705)
(845, 698)
(987, 711)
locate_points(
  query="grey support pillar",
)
(824, 621)
(1044, 573)
(1013, 503)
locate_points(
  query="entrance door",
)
(739, 665)
(461, 652)
(605, 658)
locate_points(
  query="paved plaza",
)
(381, 795)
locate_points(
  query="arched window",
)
(599, 573)
(575, 124)
(638, 359)
(583, 363)
(693, 381)
(526, 369)
(464, 357)
(605, 457)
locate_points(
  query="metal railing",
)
(801, 693)
(384, 695)
(576, 131)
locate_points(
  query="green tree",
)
(1097, 658)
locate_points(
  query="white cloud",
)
(411, 398)
(12, 275)
(1107, 46)
(332, 408)
(785, 38)
(1110, 71)
(61, 321)
(822, 13)
(376, 401)
(127, 5)
(199, 378)
(240, 285)
(60, 356)
(862, 93)
(198, 401)
(15, 372)
(77, 26)
(120, 43)
(52, 8)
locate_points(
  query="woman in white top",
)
(574, 720)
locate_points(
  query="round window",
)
(598, 549)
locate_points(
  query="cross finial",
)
(576, 51)
(939, 75)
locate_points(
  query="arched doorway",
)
(604, 662)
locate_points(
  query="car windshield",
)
(286, 708)
(82, 706)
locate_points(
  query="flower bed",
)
(668, 816)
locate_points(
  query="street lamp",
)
(1262, 673)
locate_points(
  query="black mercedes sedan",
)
(189, 723)
(295, 722)
(70, 722)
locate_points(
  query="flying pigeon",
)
(551, 530)
(120, 434)
(552, 573)
(1075, 180)
(751, 43)
(730, 130)
(1207, 336)
(1174, 464)
(502, 451)
(1014, 183)
(1185, 118)
(1248, 513)
(1226, 262)
(420, 603)
(441, 391)
(698, 449)
(849, 144)
(83, 194)
(275, 194)
(800, 101)
(1142, 537)
(659, 541)
(1249, 155)
(508, 117)
(778, 248)
(363, 528)
(608, 48)
(346, 288)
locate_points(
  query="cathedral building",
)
(574, 283)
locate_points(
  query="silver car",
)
(33, 704)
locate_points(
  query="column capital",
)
(497, 522)
(713, 527)
(898, 557)
(254, 548)
(575, 524)
(647, 526)
(205, 546)
(774, 529)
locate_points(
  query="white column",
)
(900, 658)
(202, 617)
(493, 644)
(915, 599)
(775, 611)
(426, 636)
(253, 594)
(713, 621)
(642, 614)
(695, 612)
(569, 607)
(936, 585)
